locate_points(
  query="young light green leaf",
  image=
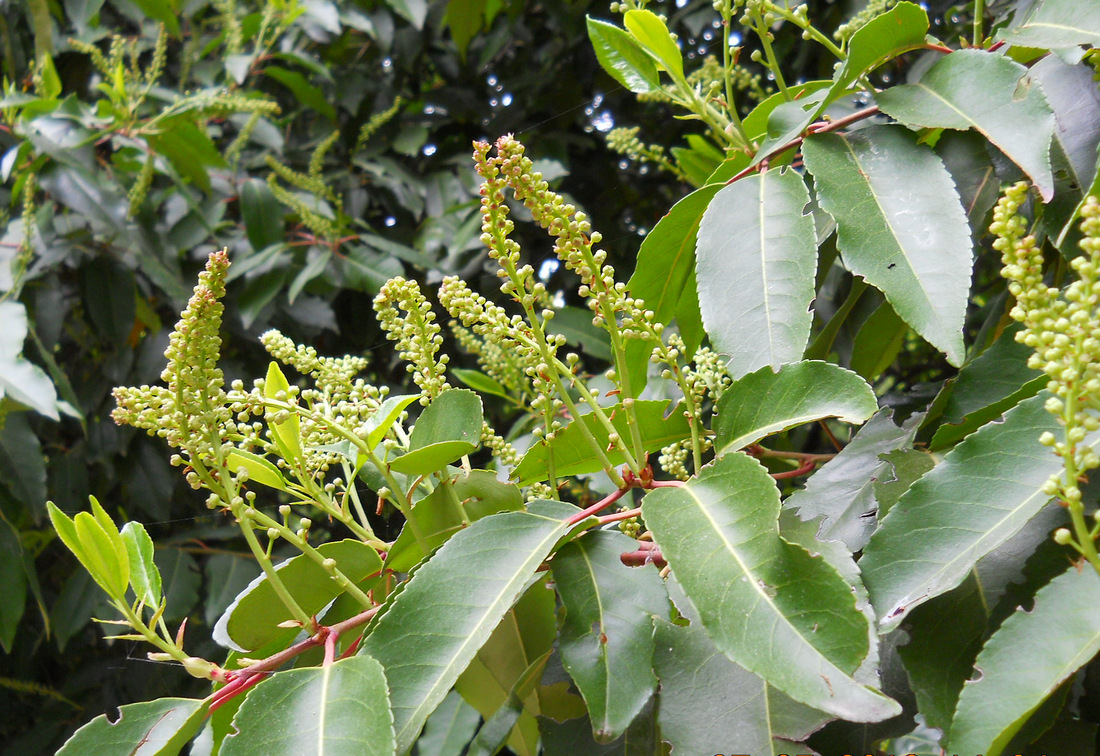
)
(779, 612)
(479, 381)
(450, 607)
(254, 616)
(110, 566)
(1057, 637)
(144, 575)
(288, 432)
(607, 636)
(259, 469)
(1054, 24)
(988, 92)
(842, 491)
(152, 728)
(767, 402)
(383, 418)
(622, 58)
(573, 455)
(900, 226)
(340, 708)
(651, 33)
(982, 493)
(755, 260)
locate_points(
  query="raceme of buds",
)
(416, 334)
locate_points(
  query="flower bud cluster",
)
(416, 334)
(873, 8)
(192, 412)
(1063, 329)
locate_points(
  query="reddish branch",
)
(643, 480)
(242, 680)
(646, 554)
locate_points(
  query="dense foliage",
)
(436, 565)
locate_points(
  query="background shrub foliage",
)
(813, 477)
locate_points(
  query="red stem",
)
(806, 467)
(642, 557)
(618, 516)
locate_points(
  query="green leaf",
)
(447, 429)
(253, 618)
(437, 520)
(262, 214)
(765, 402)
(899, 30)
(975, 89)
(450, 607)
(498, 681)
(622, 58)
(573, 455)
(755, 263)
(181, 579)
(464, 18)
(842, 491)
(779, 612)
(900, 226)
(21, 380)
(1054, 24)
(22, 464)
(163, 11)
(104, 553)
(413, 11)
(651, 33)
(1060, 634)
(144, 575)
(982, 493)
(878, 342)
(479, 381)
(152, 728)
(13, 584)
(666, 258)
(449, 728)
(259, 469)
(995, 381)
(190, 150)
(340, 708)
(965, 154)
(108, 291)
(705, 698)
(607, 636)
(287, 434)
(383, 418)
(308, 95)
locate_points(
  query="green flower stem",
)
(762, 32)
(979, 16)
(244, 515)
(727, 69)
(304, 546)
(147, 633)
(452, 497)
(807, 28)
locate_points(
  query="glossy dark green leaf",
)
(607, 636)
(1053, 24)
(436, 519)
(262, 214)
(975, 89)
(225, 577)
(180, 580)
(1060, 634)
(108, 290)
(900, 226)
(995, 381)
(767, 402)
(905, 467)
(781, 613)
(788, 120)
(447, 429)
(573, 455)
(878, 342)
(982, 493)
(449, 728)
(493, 735)
(163, 11)
(254, 616)
(755, 260)
(465, 19)
(13, 584)
(152, 728)
(308, 95)
(898, 30)
(1074, 98)
(622, 57)
(965, 154)
(341, 708)
(22, 464)
(705, 698)
(842, 490)
(450, 607)
(190, 150)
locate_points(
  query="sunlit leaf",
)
(622, 57)
(1054, 24)
(152, 728)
